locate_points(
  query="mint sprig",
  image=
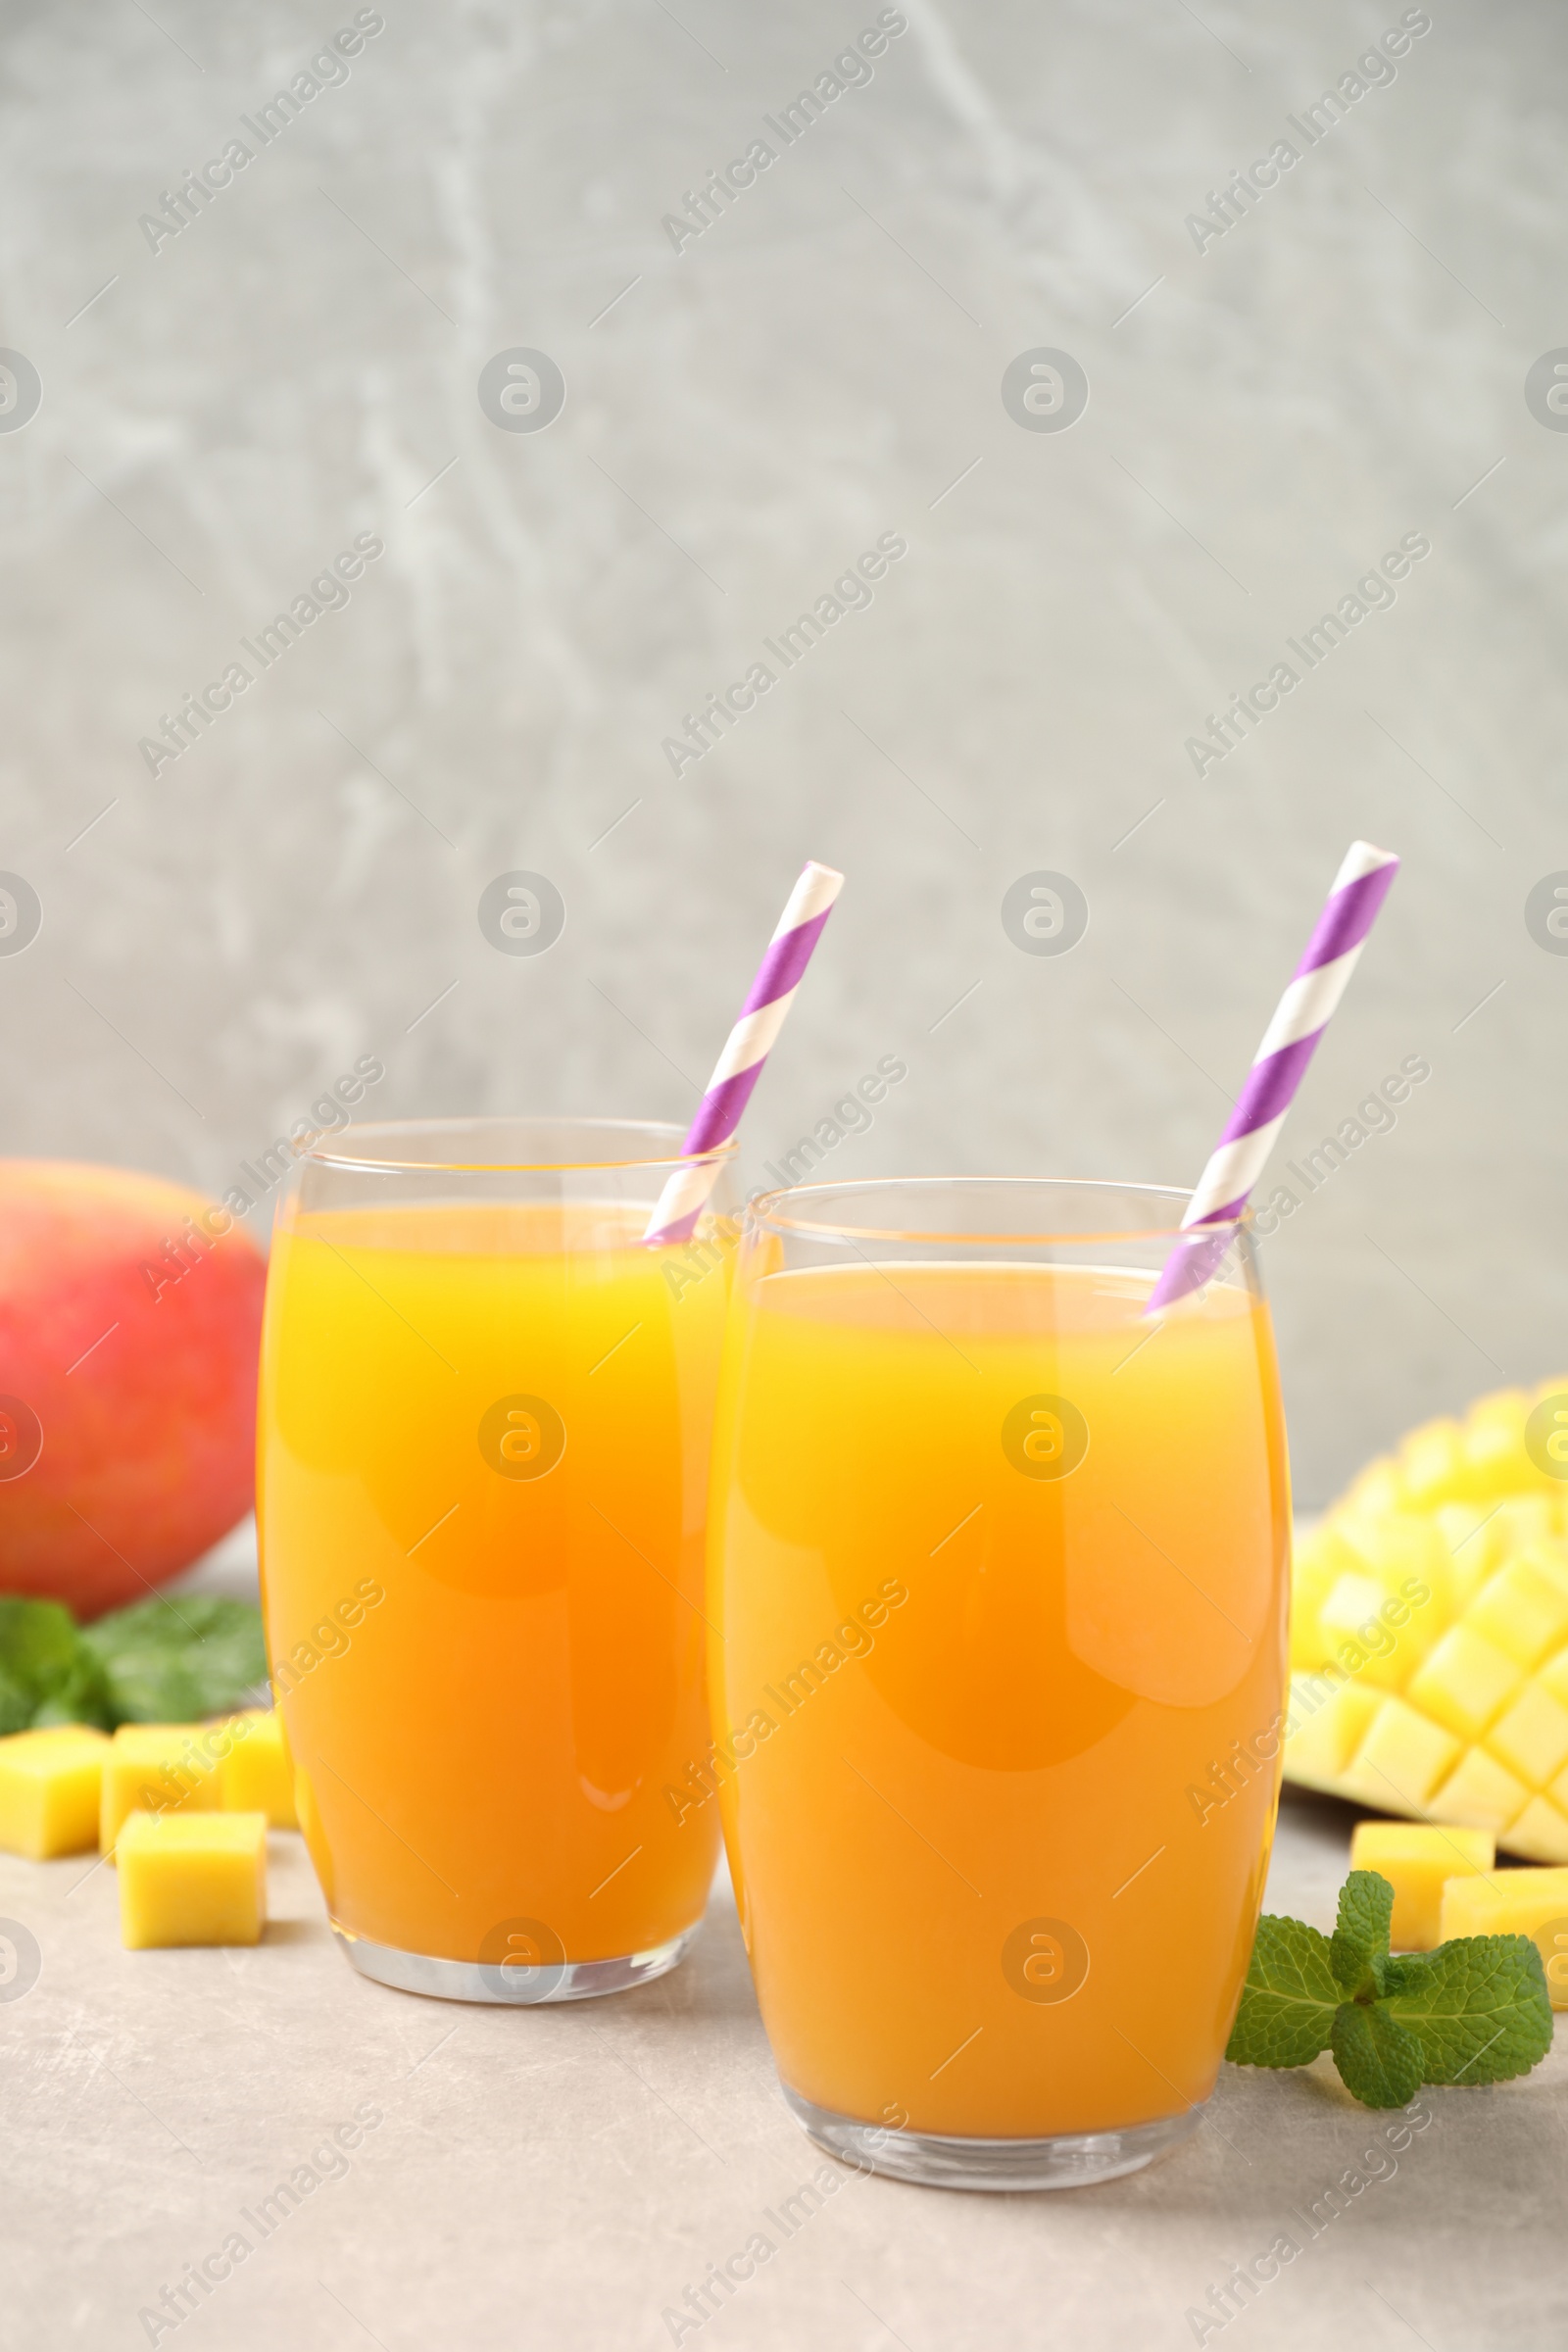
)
(1359, 1944)
(1377, 2060)
(1289, 1999)
(1476, 2010)
(178, 1661)
(1478, 2007)
(158, 1661)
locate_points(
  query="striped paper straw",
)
(740, 1065)
(1303, 1012)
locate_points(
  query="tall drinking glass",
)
(998, 1576)
(484, 1425)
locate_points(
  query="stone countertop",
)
(558, 2177)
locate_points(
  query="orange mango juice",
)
(498, 1417)
(997, 1572)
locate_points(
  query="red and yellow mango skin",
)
(130, 1327)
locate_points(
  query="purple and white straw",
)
(740, 1065)
(1360, 887)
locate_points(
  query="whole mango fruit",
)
(130, 1315)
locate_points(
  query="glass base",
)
(508, 1985)
(1073, 2160)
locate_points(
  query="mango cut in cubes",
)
(257, 1773)
(1417, 1860)
(1429, 1636)
(160, 1768)
(1400, 1759)
(50, 1789)
(1516, 1902)
(192, 1877)
(1466, 1683)
(1324, 1728)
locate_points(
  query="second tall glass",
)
(998, 1576)
(481, 1492)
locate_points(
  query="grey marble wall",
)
(228, 402)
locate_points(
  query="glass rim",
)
(765, 1209)
(331, 1149)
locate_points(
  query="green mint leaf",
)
(38, 1642)
(159, 1661)
(1475, 2010)
(1290, 1997)
(1359, 1943)
(1478, 2007)
(176, 1661)
(1379, 2062)
(47, 1673)
(17, 1705)
(81, 1697)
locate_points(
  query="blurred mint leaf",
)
(1290, 1997)
(37, 1642)
(46, 1674)
(17, 1705)
(81, 1697)
(176, 1661)
(159, 1661)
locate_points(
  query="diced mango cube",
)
(1540, 1832)
(1377, 1490)
(1525, 1519)
(1405, 1554)
(1492, 1447)
(1461, 1523)
(156, 1767)
(51, 1784)
(1430, 1464)
(1350, 1616)
(1516, 1902)
(1523, 1607)
(1476, 1551)
(1401, 1760)
(257, 1773)
(1377, 1635)
(1465, 1682)
(1470, 1531)
(192, 1877)
(1319, 1559)
(1481, 1794)
(1330, 1723)
(1532, 1739)
(1417, 1858)
(1548, 1453)
(1476, 1523)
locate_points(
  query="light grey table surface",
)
(558, 2177)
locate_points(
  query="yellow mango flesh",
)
(1417, 1860)
(1429, 1639)
(1515, 1902)
(257, 1773)
(1401, 1758)
(192, 1877)
(51, 1785)
(158, 1768)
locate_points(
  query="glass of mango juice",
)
(482, 1484)
(998, 1570)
